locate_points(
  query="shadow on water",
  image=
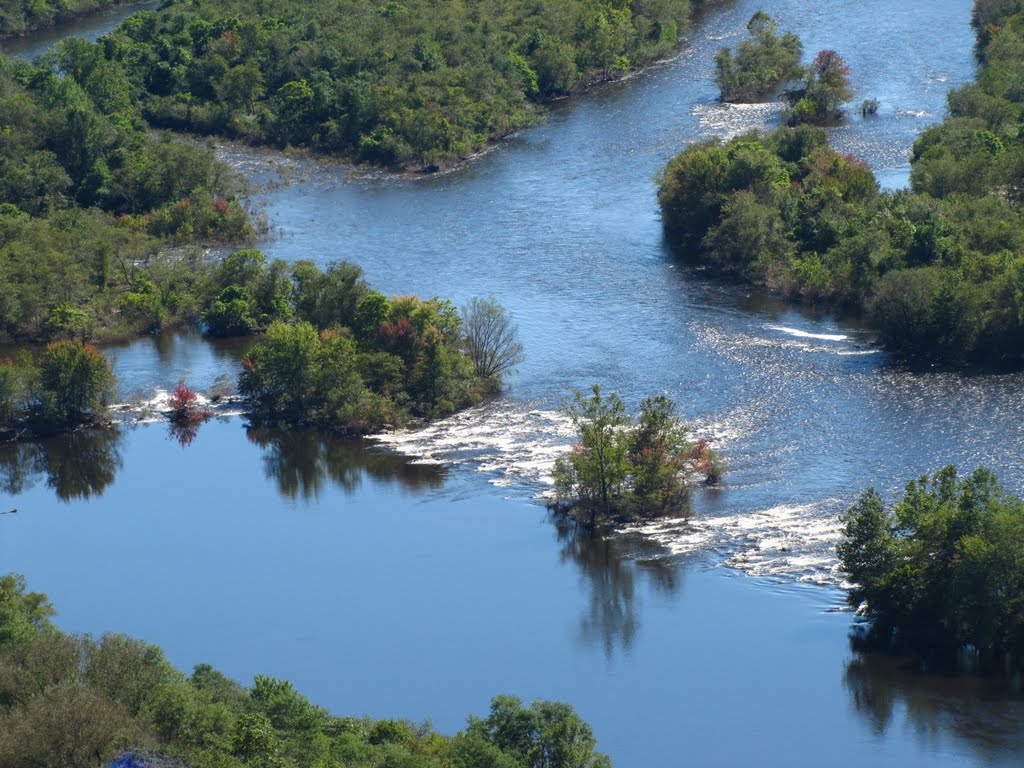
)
(984, 713)
(609, 572)
(304, 461)
(78, 465)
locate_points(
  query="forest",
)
(402, 84)
(92, 200)
(938, 270)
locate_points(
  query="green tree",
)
(594, 473)
(944, 565)
(75, 383)
(658, 453)
(22, 613)
(546, 734)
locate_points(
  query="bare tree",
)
(491, 338)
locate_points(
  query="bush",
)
(75, 384)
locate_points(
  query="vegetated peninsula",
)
(329, 352)
(402, 84)
(90, 201)
(74, 701)
(18, 17)
(938, 271)
(941, 570)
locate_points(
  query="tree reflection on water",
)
(303, 461)
(77, 465)
(985, 714)
(610, 566)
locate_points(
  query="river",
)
(420, 587)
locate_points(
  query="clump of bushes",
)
(406, 84)
(759, 64)
(820, 92)
(937, 276)
(68, 385)
(942, 568)
(621, 469)
(336, 353)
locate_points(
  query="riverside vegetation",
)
(74, 701)
(400, 84)
(938, 271)
(91, 200)
(332, 352)
(20, 16)
(942, 569)
(622, 470)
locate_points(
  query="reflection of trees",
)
(76, 465)
(984, 714)
(303, 460)
(609, 568)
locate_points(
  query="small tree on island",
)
(822, 89)
(759, 64)
(622, 469)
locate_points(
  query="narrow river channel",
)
(420, 587)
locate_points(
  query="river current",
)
(419, 587)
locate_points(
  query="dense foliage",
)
(393, 83)
(760, 63)
(335, 352)
(937, 277)
(944, 565)
(89, 196)
(73, 701)
(20, 16)
(69, 384)
(621, 469)
(939, 271)
(820, 90)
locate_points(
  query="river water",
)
(419, 587)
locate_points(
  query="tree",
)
(944, 565)
(75, 383)
(547, 734)
(594, 473)
(300, 373)
(657, 450)
(825, 87)
(491, 339)
(22, 613)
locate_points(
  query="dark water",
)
(87, 27)
(420, 588)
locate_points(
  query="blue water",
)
(405, 588)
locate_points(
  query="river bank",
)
(719, 624)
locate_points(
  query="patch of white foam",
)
(789, 541)
(513, 444)
(734, 342)
(728, 120)
(143, 410)
(807, 334)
